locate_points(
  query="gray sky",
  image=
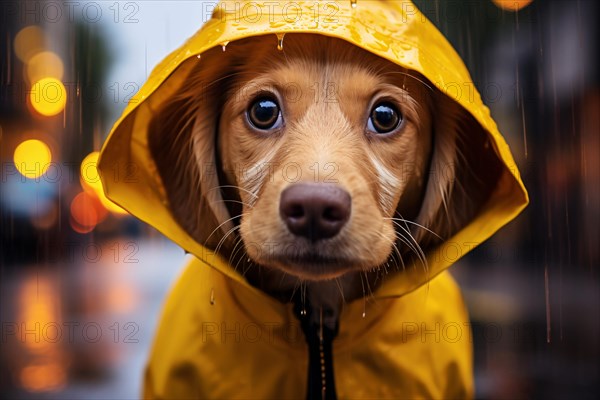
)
(143, 32)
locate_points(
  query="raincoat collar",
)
(393, 30)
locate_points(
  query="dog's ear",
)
(182, 140)
(462, 173)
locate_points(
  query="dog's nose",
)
(315, 210)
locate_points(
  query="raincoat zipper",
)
(320, 377)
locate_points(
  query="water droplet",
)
(364, 314)
(277, 24)
(199, 56)
(353, 3)
(224, 45)
(280, 37)
(212, 296)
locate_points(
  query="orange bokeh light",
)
(32, 158)
(512, 5)
(48, 96)
(43, 377)
(39, 303)
(45, 64)
(86, 212)
(39, 308)
(28, 42)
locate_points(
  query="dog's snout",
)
(315, 210)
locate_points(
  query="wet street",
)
(82, 328)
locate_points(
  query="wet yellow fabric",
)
(368, 352)
(220, 339)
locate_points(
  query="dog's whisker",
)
(397, 251)
(406, 221)
(222, 241)
(221, 224)
(284, 275)
(421, 253)
(409, 244)
(234, 201)
(250, 264)
(232, 187)
(369, 290)
(241, 258)
(303, 297)
(235, 249)
(412, 243)
(297, 285)
(362, 283)
(409, 241)
(396, 260)
(339, 285)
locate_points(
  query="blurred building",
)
(54, 219)
(533, 288)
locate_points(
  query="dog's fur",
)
(409, 191)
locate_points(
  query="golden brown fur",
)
(224, 179)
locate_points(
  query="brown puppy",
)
(321, 166)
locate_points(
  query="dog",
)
(317, 171)
(331, 166)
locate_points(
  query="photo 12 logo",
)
(273, 11)
(55, 12)
(69, 332)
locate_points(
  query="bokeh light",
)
(32, 158)
(48, 96)
(45, 64)
(512, 5)
(91, 183)
(40, 306)
(86, 212)
(43, 377)
(90, 179)
(28, 42)
(38, 303)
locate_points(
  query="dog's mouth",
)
(312, 265)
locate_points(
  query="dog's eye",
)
(264, 114)
(384, 118)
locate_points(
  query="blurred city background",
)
(82, 283)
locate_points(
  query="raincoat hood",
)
(222, 338)
(393, 30)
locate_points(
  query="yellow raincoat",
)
(222, 338)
